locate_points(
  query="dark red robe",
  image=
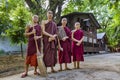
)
(65, 55)
(78, 50)
(31, 57)
(50, 51)
(31, 42)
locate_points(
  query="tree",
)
(106, 12)
(19, 18)
(5, 7)
(4, 20)
(38, 7)
(115, 10)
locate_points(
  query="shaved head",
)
(49, 14)
(35, 18)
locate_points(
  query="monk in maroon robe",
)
(49, 41)
(31, 58)
(65, 42)
(77, 47)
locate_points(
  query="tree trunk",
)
(56, 5)
(21, 46)
(58, 14)
(35, 7)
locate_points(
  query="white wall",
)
(7, 46)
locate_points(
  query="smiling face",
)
(64, 21)
(49, 14)
(77, 25)
(35, 19)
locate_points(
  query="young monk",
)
(65, 42)
(77, 48)
(31, 58)
(49, 28)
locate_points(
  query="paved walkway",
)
(98, 67)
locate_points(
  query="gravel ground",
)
(98, 67)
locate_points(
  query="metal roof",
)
(92, 17)
(100, 35)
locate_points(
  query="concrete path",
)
(98, 67)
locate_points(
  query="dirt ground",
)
(11, 64)
(96, 67)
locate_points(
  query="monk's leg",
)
(66, 67)
(26, 68)
(52, 70)
(75, 64)
(26, 71)
(60, 67)
(35, 71)
(78, 64)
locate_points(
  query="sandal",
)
(60, 70)
(24, 75)
(67, 69)
(53, 71)
(36, 73)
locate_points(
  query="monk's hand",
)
(33, 31)
(61, 49)
(54, 36)
(40, 36)
(64, 38)
(36, 37)
(78, 44)
(51, 39)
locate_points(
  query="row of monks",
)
(55, 39)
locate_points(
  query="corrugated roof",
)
(100, 35)
(89, 14)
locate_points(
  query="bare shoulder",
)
(28, 26)
(44, 21)
(73, 31)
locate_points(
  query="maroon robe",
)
(31, 42)
(78, 50)
(65, 55)
(50, 51)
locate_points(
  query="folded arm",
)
(73, 37)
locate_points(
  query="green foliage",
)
(16, 15)
(4, 17)
(107, 13)
(19, 18)
(115, 25)
(2, 52)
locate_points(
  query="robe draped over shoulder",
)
(65, 55)
(50, 51)
(31, 49)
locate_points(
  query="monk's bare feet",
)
(53, 71)
(75, 67)
(60, 70)
(36, 73)
(67, 69)
(24, 75)
(78, 68)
